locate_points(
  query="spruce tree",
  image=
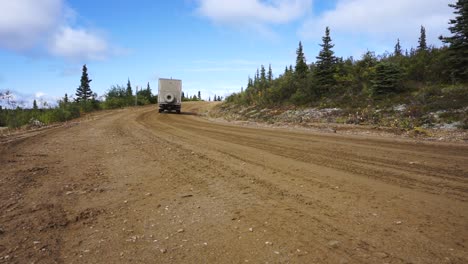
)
(257, 77)
(301, 65)
(325, 65)
(250, 83)
(65, 99)
(83, 92)
(398, 51)
(422, 40)
(387, 79)
(262, 76)
(129, 88)
(458, 42)
(35, 105)
(199, 95)
(270, 75)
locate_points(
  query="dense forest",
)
(425, 79)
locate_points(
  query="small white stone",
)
(333, 243)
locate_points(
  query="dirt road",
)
(137, 186)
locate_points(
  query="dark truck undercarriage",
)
(169, 108)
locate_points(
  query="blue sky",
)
(212, 45)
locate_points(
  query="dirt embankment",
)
(133, 185)
(335, 120)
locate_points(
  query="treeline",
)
(119, 96)
(411, 76)
(194, 98)
(85, 101)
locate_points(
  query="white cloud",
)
(11, 99)
(254, 14)
(78, 43)
(47, 26)
(24, 22)
(39, 94)
(381, 21)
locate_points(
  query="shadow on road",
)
(181, 113)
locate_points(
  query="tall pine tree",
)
(301, 65)
(262, 76)
(458, 42)
(83, 92)
(325, 65)
(422, 45)
(397, 51)
(270, 75)
(129, 88)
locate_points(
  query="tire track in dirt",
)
(178, 126)
(133, 185)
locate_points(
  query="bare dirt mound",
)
(137, 186)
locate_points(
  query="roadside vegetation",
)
(424, 86)
(85, 101)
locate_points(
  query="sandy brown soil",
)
(135, 186)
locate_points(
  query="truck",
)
(169, 95)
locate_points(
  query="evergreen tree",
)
(65, 99)
(262, 76)
(458, 42)
(35, 105)
(250, 83)
(422, 40)
(398, 51)
(199, 95)
(129, 88)
(183, 96)
(83, 92)
(270, 75)
(301, 65)
(148, 88)
(325, 65)
(387, 79)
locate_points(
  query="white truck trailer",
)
(169, 95)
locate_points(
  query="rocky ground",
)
(335, 120)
